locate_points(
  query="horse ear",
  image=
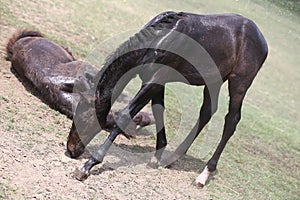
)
(68, 50)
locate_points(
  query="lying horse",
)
(54, 72)
(204, 50)
(51, 68)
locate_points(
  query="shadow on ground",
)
(136, 157)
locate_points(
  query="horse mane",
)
(141, 40)
(146, 34)
(124, 58)
(135, 42)
(15, 37)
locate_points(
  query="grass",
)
(292, 5)
(261, 161)
(6, 190)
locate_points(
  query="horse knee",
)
(161, 144)
(164, 142)
(124, 119)
(161, 138)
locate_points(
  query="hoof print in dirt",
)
(80, 175)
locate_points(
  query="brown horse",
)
(54, 72)
(204, 50)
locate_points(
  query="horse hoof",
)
(80, 175)
(153, 163)
(202, 178)
(200, 183)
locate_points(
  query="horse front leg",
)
(158, 108)
(97, 157)
(145, 94)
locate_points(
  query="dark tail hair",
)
(16, 36)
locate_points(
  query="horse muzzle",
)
(75, 151)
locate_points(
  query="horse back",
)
(227, 38)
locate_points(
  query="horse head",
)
(85, 126)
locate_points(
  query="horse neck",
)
(114, 76)
(119, 66)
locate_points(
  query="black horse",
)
(195, 49)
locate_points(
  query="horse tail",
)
(15, 37)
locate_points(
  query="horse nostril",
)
(75, 151)
(70, 153)
(73, 154)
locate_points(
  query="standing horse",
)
(204, 50)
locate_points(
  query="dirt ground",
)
(34, 164)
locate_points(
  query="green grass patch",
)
(6, 191)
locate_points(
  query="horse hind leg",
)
(238, 86)
(208, 108)
(251, 57)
